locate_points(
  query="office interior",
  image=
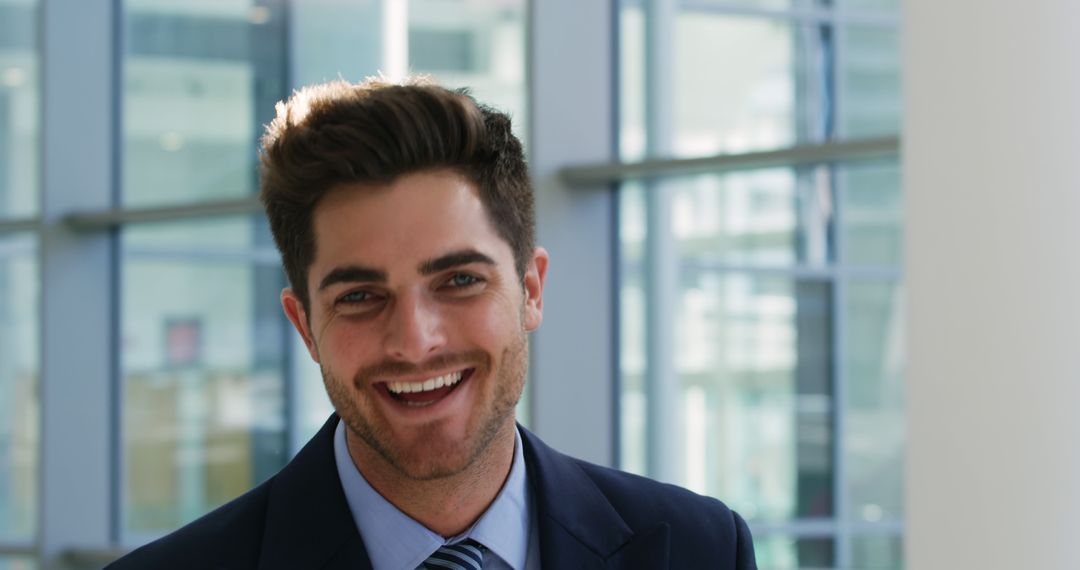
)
(815, 258)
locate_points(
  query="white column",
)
(992, 179)
(571, 123)
(77, 398)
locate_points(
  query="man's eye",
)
(463, 280)
(355, 297)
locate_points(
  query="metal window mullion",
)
(816, 154)
(12, 548)
(18, 226)
(879, 273)
(256, 257)
(823, 528)
(812, 15)
(661, 258)
(89, 220)
(840, 311)
(840, 382)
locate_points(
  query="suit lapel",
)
(579, 528)
(308, 522)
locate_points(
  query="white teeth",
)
(427, 385)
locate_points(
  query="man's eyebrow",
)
(454, 259)
(352, 274)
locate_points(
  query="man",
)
(404, 216)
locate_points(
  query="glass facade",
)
(761, 308)
(19, 109)
(19, 369)
(20, 134)
(17, 563)
(778, 290)
(200, 78)
(203, 352)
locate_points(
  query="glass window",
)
(869, 81)
(200, 78)
(737, 84)
(873, 213)
(479, 45)
(761, 335)
(874, 415)
(755, 394)
(17, 563)
(787, 553)
(19, 368)
(203, 347)
(19, 109)
(777, 217)
(752, 349)
(887, 5)
(873, 552)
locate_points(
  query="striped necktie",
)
(465, 555)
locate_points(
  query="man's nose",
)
(416, 329)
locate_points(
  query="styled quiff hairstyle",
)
(373, 132)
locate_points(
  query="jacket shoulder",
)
(698, 524)
(228, 537)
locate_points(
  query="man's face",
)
(418, 319)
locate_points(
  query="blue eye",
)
(355, 297)
(463, 280)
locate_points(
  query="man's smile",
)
(425, 392)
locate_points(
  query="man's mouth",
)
(426, 392)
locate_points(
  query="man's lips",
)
(424, 392)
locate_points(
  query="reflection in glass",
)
(203, 354)
(479, 45)
(19, 368)
(775, 218)
(870, 82)
(199, 79)
(873, 213)
(18, 563)
(752, 347)
(872, 552)
(762, 278)
(19, 109)
(890, 6)
(874, 419)
(756, 396)
(786, 553)
(738, 83)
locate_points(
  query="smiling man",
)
(404, 216)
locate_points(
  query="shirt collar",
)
(394, 540)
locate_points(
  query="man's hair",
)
(373, 132)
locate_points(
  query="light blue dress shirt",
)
(395, 541)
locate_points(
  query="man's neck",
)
(448, 505)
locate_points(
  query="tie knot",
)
(464, 555)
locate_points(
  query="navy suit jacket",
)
(588, 516)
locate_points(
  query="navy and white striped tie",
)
(466, 555)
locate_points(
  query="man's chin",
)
(433, 456)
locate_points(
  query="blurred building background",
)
(719, 186)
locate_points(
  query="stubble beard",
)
(441, 459)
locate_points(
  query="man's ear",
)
(294, 309)
(535, 274)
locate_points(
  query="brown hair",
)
(373, 132)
